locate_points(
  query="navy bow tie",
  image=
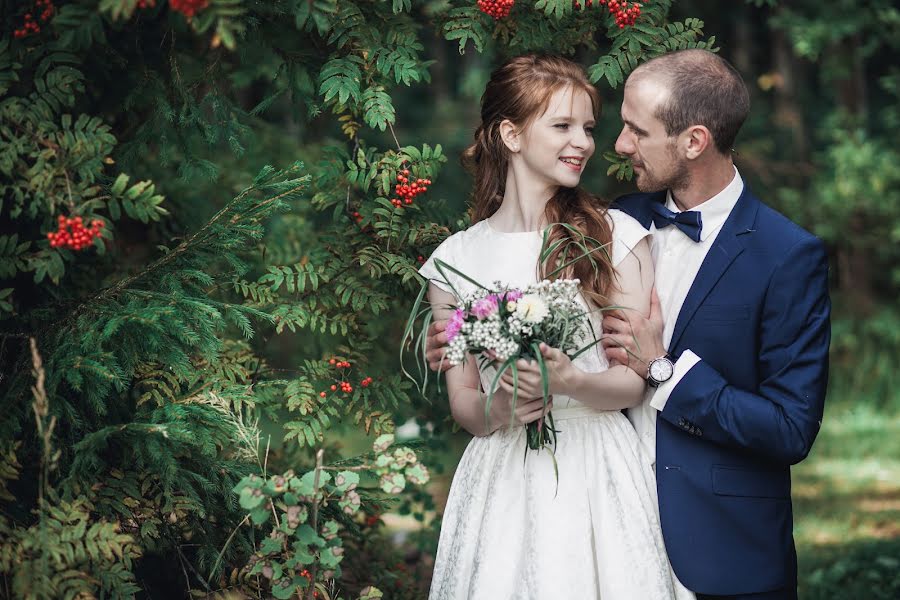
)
(688, 221)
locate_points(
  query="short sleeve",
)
(446, 254)
(627, 232)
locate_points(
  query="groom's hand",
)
(436, 346)
(634, 340)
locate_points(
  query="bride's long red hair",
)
(520, 91)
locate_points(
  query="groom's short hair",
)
(704, 89)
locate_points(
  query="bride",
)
(510, 530)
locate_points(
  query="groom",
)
(735, 350)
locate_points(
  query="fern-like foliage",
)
(69, 554)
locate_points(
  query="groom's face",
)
(653, 153)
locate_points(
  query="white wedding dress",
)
(507, 532)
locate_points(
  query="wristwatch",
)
(659, 371)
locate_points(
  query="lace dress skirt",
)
(510, 532)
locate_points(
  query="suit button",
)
(699, 432)
(681, 422)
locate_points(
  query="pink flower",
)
(485, 307)
(455, 324)
(513, 295)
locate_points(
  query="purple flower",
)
(513, 295)
(455, 324)
(485, 307)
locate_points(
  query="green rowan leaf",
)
(340, 80)
(378, 108)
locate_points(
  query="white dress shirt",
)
(677, 259)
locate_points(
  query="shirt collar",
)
(715, 211)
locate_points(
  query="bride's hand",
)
(527, 408)
(561, 372)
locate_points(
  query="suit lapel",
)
(637, 206)
(729, 243)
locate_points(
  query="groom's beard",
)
(676, 177)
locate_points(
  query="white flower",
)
(531, 308)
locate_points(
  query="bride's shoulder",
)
(627, 232)
(624, 222)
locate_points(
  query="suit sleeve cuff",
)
(684, 364)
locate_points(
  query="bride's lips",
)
(576, 168)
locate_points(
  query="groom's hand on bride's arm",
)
(436, 346)
(631, 339)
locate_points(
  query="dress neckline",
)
(534, 232)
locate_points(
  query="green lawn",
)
(847, 506)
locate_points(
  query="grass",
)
(847, 506)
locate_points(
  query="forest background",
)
(199, 365)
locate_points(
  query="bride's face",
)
(557, 145)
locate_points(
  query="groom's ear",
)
(694, 141)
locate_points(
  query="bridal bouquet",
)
(501, 325)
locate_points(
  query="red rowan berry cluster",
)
(308, 575)
(625, 13)
(343, 385)
(72, 233)
(188, 8)
(44, 10)
(357, 217)
(142, 4)
(406, 190)
(496, 8)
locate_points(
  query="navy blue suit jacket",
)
(757, 315)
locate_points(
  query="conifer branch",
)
(183, 247)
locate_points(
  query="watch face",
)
(660, 370)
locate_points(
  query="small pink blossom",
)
(455, 324)
(485, 307)
(513, 295)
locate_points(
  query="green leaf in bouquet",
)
(509, 363)
(442, 267)
(419, 345)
